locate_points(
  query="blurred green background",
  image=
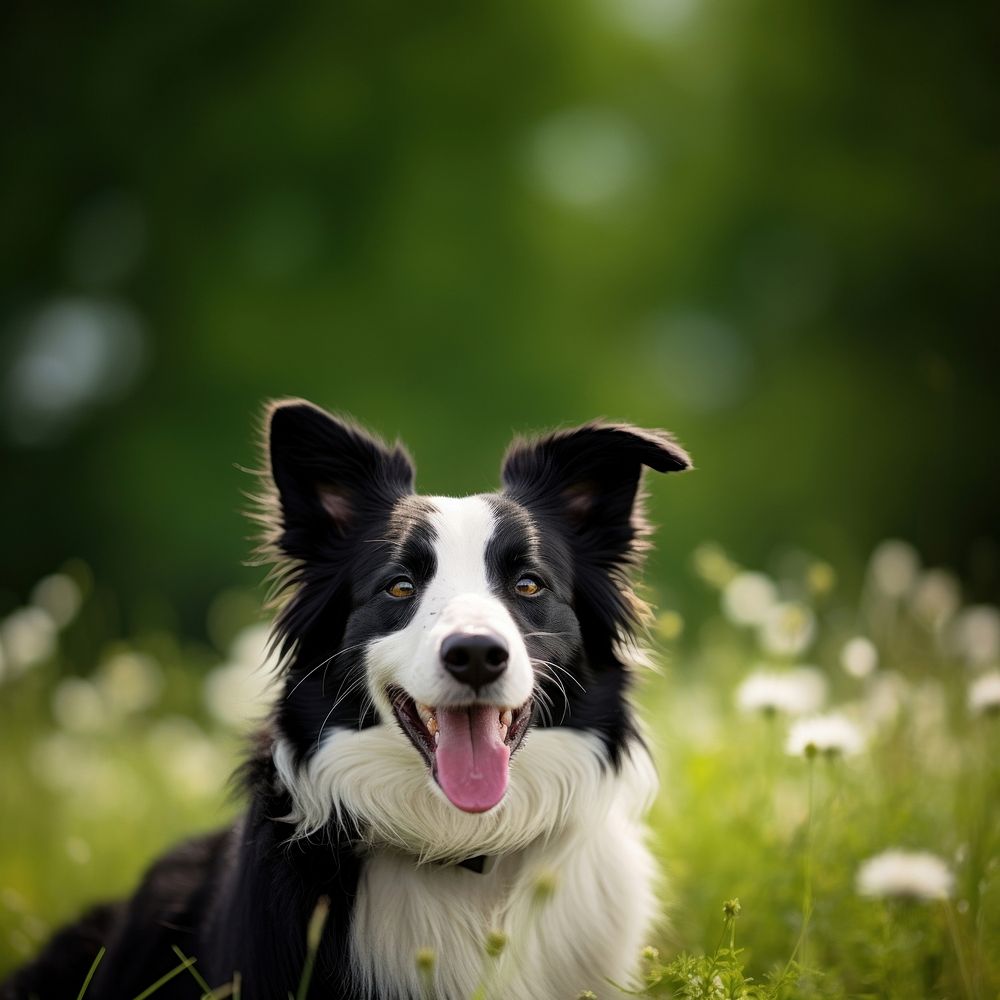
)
(771, 227)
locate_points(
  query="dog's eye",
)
(401, 588)
(528, 586)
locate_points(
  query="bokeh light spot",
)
(74, 353)
(585, 157)
(701, 362)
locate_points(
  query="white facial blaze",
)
(457, 599)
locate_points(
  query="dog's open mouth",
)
(468, 748)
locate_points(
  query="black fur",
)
(342, 522)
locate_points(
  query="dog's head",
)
(458, 625)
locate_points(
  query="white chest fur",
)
(589, 926)
(592, 925)
(567, 814)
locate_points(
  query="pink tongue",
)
(471, 757)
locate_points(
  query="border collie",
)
(454, 736)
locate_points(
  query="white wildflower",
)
(928, 707)
(984, 694)
(112, 784)
(907, 875)
(28, 636)
(61, 761)
(748, 597)
(167, 734)
(239, 690)
(251, 646)
(76, 766)
(792, 692)
(885, 697)
(130, 682)
(60, 596)
(78, 706)
(936, 597)
(833, 735)
(859, 657)
(196, 767)
(236, 693)
(894, 566)
(787, 629)
(976, 635)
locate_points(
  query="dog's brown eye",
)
(401, 588)
(527, 586)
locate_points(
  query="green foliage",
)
(714, 977)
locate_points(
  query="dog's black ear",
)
(331, 476)
(585, 482)
(589, 476)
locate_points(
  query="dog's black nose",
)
(476, 660)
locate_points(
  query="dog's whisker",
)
(366, 702)
(547, 671)
(544, 704)
(559, 684)
(319, 735)
(562, 669)
(356, 682)
(367, 705)
(569, 676)
(565, 699)
(318, 666)
(545, 711)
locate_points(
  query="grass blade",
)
(314, 935)
(164, 979)
(206, 990)
(90, 975)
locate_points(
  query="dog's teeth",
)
(427, 717)
(506, 717)
(437, 737)
(503, 732)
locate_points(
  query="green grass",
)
(84, 772)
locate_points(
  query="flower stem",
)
(807, 866)
(956, 940)
(808, 887)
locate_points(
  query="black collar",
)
(480, 864)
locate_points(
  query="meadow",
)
(829, 818)
(766, 225)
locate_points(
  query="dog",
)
(453, 765)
